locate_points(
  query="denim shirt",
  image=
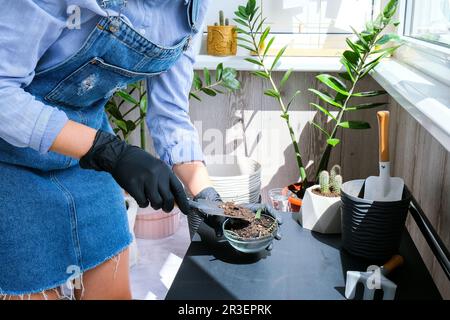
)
(34, 36)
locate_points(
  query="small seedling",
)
(258, 213)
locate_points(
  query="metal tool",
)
(384, 188)
(374, 279)
(207, 207)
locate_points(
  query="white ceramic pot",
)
(156, 224)
(131, 213)
(320, 214)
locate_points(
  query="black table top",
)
(303, 265)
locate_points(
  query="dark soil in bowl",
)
(258, 228)
(247, 226)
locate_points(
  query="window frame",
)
(430, 58)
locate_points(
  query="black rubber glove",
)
(146, 178)
(196, 217)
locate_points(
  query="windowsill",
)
(425, 98)
(299, 64)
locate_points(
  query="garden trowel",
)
(384, 188)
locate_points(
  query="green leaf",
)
(260, 25)
(229, 79)
(245, 40)
(390, 9)
(261, 74)
(325, 97)
(365, 106)
(143, 106)
(269, 44)
(193, 95)
(323, 110)
(356, 125)
(127, 97)
(391, 50)
(113, 110)
(131, 126)
(278, 57)
(362, 42)
(333, 142)
(272, 93)
(219, 72)
(243, 10)
(240, 15)
(292, 99)
(241, 21)
(285, 77)
(246, 47)
(197, 82)
(333, 83)
(351, 57)
(320, 128)
(254, 61)
(369, 94)
(387, 38)
(239, 30)
(349, 69)
(250, 8)
(121, 124)
(263, 37)
(209, 92)
(207, 76)
(354, 46)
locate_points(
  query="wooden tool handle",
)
(383, 124)
(395, 262)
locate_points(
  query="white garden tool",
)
(374, 279)
(384, 188)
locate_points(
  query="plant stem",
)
(142, 117)
(301, 168)
(212, 85)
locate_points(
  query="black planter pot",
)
(371, 230)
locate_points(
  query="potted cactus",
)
(222, 38)
(320, 211)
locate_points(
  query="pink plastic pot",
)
(156, 224)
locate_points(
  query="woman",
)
(62, 170)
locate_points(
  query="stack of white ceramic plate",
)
(236, 179)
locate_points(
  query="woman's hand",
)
(147, 179)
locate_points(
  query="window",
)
(310, 27)
(428, 20)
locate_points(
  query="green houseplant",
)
(363, 55)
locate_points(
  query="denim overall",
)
(56, 217)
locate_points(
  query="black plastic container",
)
(371, 230)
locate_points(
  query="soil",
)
(332, 194)
(250, 227)
(234, 211)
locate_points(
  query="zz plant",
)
(363, 55)
(252, 37)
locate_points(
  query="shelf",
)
(299, 64)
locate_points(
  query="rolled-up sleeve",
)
(174, 136)
(26, 32)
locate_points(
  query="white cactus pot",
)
(320, 214)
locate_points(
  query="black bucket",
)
(371, 230)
